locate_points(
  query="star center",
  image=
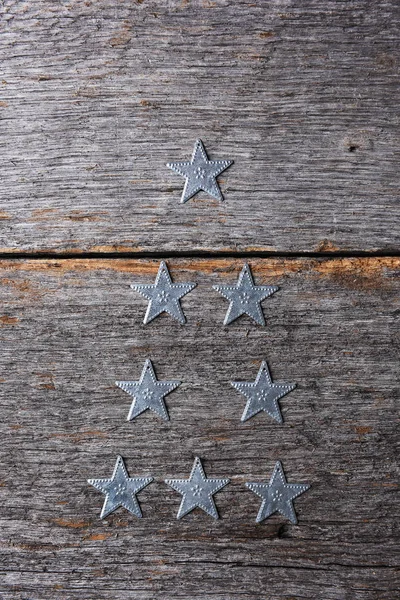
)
(196, 490)
(200, 173)
(120, 489)
(262, 395)
(147, 394)
(162, 296)
(276, 496)
(244, 297)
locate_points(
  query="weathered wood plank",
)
(70, 328)
(98, 96)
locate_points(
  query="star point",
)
(164, 296)
(148, 392)
(120, 490)
(245, 297)
(200, 173)
(197, 491)
(263, 394)
(277, 495)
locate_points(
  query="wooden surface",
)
(71, 328)
(97, 95)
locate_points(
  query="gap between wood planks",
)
(68, 255)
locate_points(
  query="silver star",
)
(245, 297)
(120, 490)
(277, 495)
(197, 491)
(263, 394)
(200, 173)
(164, 295)
(148, 392)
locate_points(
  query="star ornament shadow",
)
(120, 490)
(263, 394)
(164, 296)
(197, 491)
(245, 298)
(148, 392)
(200, 173)
(277, 495)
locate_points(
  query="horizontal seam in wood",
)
(196, 255)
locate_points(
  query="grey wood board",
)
(71, 328)
(97, 96)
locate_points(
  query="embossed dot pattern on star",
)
(120, 490)
(197, 491)
(200, 173)
(148, 392)
(277, 495)
(245, 298)
(164, 296)
(263, 394)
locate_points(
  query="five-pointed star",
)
(200, 173)
(164, 295)
(245, 297)
(120, 490)
(263, 394)
(197, 491)
(277, 495)
(148, 392)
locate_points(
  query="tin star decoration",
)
(148, 392)
(200, 173)
(120, 490)
(277, 495)
(263, 394)
(245, 297)
(163, 295)
(197, 491)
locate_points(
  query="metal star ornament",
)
(245, 297)
(197, 491)
(200, 173)
(263, 394)
(148, 392)
(120, 490)
(163, 295)
(277, 495)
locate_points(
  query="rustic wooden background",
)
(96, 96)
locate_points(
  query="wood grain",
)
(70, 328)
(97, 95)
